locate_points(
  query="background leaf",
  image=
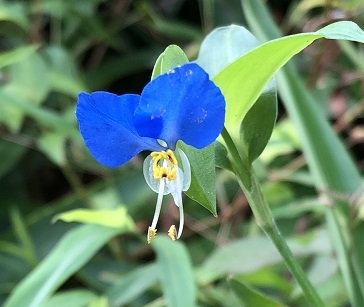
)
(115, 218)
(74, 298)
(81, 244)
(329, 162)
(129, 287)
(175, 271)
(18, 54)
(250, 296)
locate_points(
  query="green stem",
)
(265, 220)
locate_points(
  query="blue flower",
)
(182, 104)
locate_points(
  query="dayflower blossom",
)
(182, 104)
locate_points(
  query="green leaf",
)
(223, 46)
(257, 126)
(343, 30)
(244, 80)
(127, 288)
(203, 176)
(175, 272)
(53, 146)
(16, 55)
(10, 154)
(250, 296)
(74, 298)
(176, 29)
(115, 218)
(22, 233)
(253, 253)
(219, 49)
(63, 75)
(100, 302)
(117, 67)
(50, 119)
(270, 278)
(23, 85)
(15, 13)
(70, 254)
(171, 57)
(329, 161)
(284, 140)
(221, 157)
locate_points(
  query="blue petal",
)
(182, 104)
(106, 124)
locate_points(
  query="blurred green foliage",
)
(50, 51)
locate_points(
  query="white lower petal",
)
(181, 221)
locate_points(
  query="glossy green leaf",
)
(74, 298)
(244, 80)
(175, 272)
(115, 218)
(127, 288)
(257, 125)
(221, 156)
(219, 49)
(203, 176)
(343, 30)
(251, 297)
(70, 254)
(223, 46)
(171, 57)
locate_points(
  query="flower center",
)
(164, 165)
(164, 176)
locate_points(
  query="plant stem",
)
(265, 220)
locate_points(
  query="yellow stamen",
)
(172, 157)
(162, 170)
(173, 174)
(151, 234)
(172, 233)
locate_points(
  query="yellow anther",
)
(151, 234)
(173, 174)
(172, 157)
(172, 232)
(168, 170)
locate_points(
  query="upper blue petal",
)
(106, 124)
(182, 104)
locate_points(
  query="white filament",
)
(158, 206)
